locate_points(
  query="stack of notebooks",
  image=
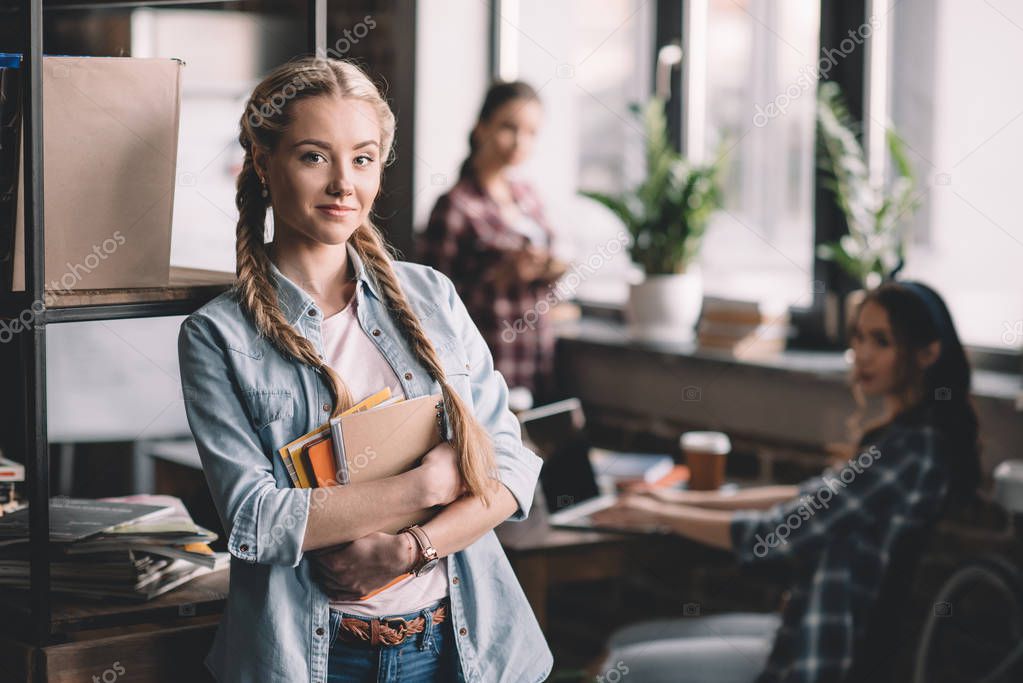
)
(135, 548)
(744, 329)
(380, 437)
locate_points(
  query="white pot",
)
(665, 308)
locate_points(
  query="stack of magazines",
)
(135, 548)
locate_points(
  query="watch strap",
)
(427, 552)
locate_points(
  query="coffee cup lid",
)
(707, 442)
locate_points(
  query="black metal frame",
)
(29, 435)
(668, 29)
(494, 33)
(829, 221)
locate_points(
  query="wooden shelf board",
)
(107, 297)
(202, 596)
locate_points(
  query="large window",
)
(751, 69)
(741, 56)
(750, 100)
(588, 66)
(956, 102)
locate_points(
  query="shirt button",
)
(455, 580)
(376, 333)
(243, 547)
(319, 631)
(312, 312)
(462, 631)
(408, 375)
(326, 407)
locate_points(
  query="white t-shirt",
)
(353, 355)
(528, 227)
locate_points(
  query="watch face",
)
(427, 567)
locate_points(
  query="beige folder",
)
(386, 441)
(110, 147)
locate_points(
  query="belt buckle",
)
(401, 629)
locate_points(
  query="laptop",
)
(568, 482)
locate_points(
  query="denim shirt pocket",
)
(455, 363)
(268, 405)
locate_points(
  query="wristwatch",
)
(428, 558)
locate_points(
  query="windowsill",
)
(603, 329)
(799, 398)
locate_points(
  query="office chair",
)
(940, 650)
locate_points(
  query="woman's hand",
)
(677, 496)
(353, 569)
(638, 512)
(442, 479)
(531, 263)
(536, 264)
(554, 270)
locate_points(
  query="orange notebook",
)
(320, 455)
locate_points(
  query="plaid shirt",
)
(839, 534)
(465, 238)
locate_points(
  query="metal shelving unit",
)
(30, 372)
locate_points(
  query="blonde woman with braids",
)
(320, 317)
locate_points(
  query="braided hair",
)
(266, 117)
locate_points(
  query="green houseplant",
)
(666, 215)
(875, 212)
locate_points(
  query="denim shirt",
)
(244, 400)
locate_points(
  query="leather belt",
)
(385, 630)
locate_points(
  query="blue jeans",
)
(427, 657)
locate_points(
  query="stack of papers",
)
(135, 547)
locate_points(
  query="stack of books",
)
(379, 437)
(10, 473)
(135, 548)
(317, 459)
(348, 448)
(743, 329)
(633, 472)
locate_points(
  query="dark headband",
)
(935, 311)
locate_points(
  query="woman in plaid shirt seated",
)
(489, 235)
(833, 535)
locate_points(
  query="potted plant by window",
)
(876, 212)
(666, 216)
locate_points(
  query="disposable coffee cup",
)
(706, 454)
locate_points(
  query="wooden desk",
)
(542, 556)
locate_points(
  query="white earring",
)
(268, 221)
(268, 225)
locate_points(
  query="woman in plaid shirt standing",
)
(832, 537)
(490, 236)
